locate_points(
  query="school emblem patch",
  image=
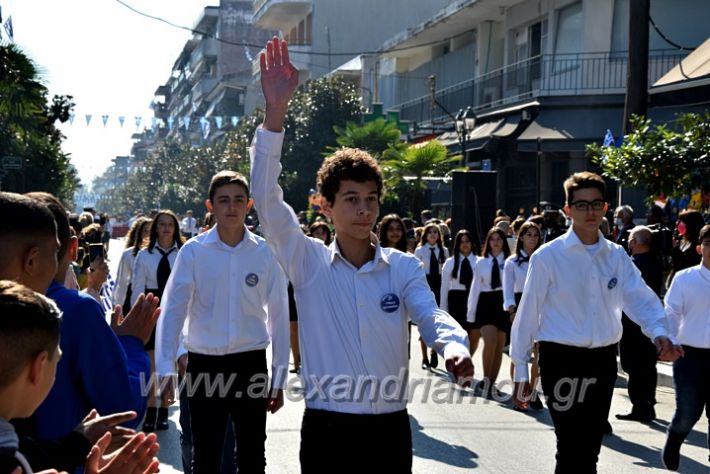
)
(389, 303)
(252, 279)
(612, 283)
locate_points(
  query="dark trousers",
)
(233, 385)
(638, 359)
(578, 384)
(691, 375)
(228, 461)
(332, 442)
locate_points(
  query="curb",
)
(665, 373)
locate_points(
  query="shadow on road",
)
(424, 446)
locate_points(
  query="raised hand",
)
(279, 79)
(140, 321)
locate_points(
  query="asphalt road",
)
(469, 432)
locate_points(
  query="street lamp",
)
(465, 121)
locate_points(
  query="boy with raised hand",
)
(576, 289)
(355, 299)
(687, 303)
(228, 286)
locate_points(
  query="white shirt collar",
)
(571, 239)
(379, 254)
(212, 237)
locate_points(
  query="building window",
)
(568, 37)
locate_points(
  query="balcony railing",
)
(546, 75)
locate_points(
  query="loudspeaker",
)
(473, 203)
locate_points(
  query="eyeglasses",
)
(583, 206)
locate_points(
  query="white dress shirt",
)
(448, 282)
(233, 298)
(145, 270)
(124, 276)
(688, 307)
(482, 282)
(189, 226)
(423, 252)
(352, 322)
(576, 299)
(513, 279)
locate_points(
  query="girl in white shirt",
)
(392, 233)
(514, 274)
(456, 279)
(432, 253)
(485, 305)
(136, 239)
(150, 275)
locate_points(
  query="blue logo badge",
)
(389, 303)
(612, 283)
(252, 279)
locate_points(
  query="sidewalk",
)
(665, 373)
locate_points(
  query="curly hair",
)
(350, 164)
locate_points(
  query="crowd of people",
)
(203, 303)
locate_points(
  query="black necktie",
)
(520, 259)
(163, 269)
(466, 274)
(495, 275)
(433, 263)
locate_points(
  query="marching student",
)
(485, 306)
(687, 303)
(433, 254)
(229, 292)
(456, 279)
(151, 271)
(392, 232)
(514, 273)
(355, 299)
(576, 289)
(136, 239)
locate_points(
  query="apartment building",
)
(544, 78)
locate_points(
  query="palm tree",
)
(380, 138)
(416, 162)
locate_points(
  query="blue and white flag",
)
(8, 28)
(171, 121)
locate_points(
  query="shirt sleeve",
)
(509, 283)
(674, 306)
(123, 278)
(438, 329)
(277, 219)
(139, 277)
(278, 325)
(640, 303)
(176, 298)
(446, 284)
(526, 323)
(474, 292)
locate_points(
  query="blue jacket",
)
(97, 369)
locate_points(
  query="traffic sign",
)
(12, 163)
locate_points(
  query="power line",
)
(666, 39)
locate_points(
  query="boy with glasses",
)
(687, 303)
(576, 289)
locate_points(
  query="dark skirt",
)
(490, 312)
(435, 286)
(518, 297)
(150, 345)
(458, 305)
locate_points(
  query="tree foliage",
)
(382, 139)
(669, 159)
(28, 131)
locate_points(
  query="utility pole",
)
(431, 80)
(637, 69)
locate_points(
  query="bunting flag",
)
(153, 122)
(121, 119)
(138, 122)
(104, 119)
(235, 121)
(8, 29)
(186, 122)
(88, 119)
(171, 121)
(218, 122)
(205, 126)
(71, 119)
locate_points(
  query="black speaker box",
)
(473, 203)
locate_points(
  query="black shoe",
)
(671, 451)
(633, 416)
(162, 423)
(149, 421)
(425, 364)
(434, 357)
(606, 428)
(148, 426)
(536, 403)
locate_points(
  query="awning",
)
(691, 70)
(571, 129)
(479, 136)
(511, 126)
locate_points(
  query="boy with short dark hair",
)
(229, 293)
(29, 352)
(576, 318)
(354, 299)
(687, 303)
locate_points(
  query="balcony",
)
(202, 88)
(207, 49)
(280, 15)
(546, 75)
